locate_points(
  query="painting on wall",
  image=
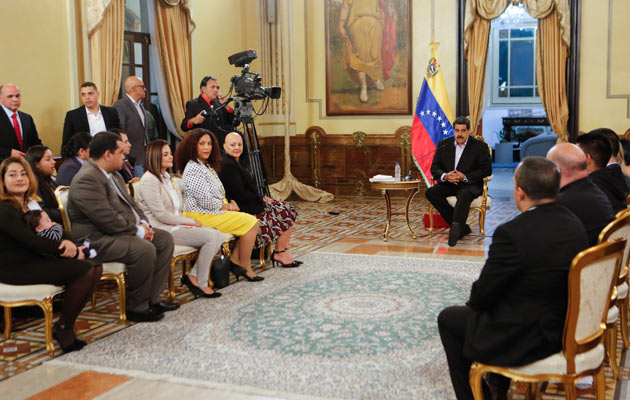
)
(368, 57)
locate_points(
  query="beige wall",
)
(36, 57)
(598, 107)
(223, 28)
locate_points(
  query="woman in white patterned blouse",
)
(199, 156)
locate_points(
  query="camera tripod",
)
(244, 113)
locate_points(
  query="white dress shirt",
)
(96, 121)
(10, 116)
(139, 108)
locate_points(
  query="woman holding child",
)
(29, 259)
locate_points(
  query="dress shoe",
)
(465, 231)
(164, 306)
(149, 315)
(454, 234)
(66, 339)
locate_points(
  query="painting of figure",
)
(368, 60)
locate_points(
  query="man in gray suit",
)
(133, 120)
(101, 209)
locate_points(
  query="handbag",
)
(220, 272)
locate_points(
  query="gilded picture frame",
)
(368, 57)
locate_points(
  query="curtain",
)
(282, 189)
(551, 58)
(106, 20)
(173, 27)
(554, 30)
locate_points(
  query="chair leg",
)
(122, 295)
(482, 223)
(569, 389)
(623, 312)
(611, 349)
(475, 379)
(226, 249)
(7, 323)
(600, 384)
(94, 300)
(46, 306)
(261, 256)
(533, 389)
(171, 280)
(430, 220)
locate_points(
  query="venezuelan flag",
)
(433, 118)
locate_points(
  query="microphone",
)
(434, 150)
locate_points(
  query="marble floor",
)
(350, 225)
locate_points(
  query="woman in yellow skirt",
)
(199, 157)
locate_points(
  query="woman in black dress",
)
(28, 259)
(276, 217)
(43, 165)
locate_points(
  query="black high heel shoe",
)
(58, 331)
(196, 290)
(239, 271)
(274, 261)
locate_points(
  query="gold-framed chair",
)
(30, 295)
(592, 278)
(619, 228)
(480, 204)
(114, 271)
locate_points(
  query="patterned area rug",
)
(343, 326)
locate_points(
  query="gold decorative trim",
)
(358, 138)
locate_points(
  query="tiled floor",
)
(354, 227)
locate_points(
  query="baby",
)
(42, 225)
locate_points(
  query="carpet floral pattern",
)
(366, 330)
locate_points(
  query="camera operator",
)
(209, 111)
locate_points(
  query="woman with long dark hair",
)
(43, 165)
(28, 259)
(161, 203)
(198, 157)
(74, 154)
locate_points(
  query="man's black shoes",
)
(164, 306)
(454, 234)
(149, 315)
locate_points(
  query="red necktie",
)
(127, 168)
(18, 132)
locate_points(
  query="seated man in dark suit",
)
(217, 118)
(598, 150)
(613, 163)
(578, 193)
(516, 311)
(17, 129)
(459, 165)
(90, 117)
(101, 209)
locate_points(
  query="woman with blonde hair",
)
(28, 259)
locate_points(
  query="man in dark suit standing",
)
(517, 307)
(17, 128)
(598, 150)
(101, 209)
(218, 117)
(578, 193)
(459, 166)
(133, 120)
(90, 117)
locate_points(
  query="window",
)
(137, 59)
(513, 55)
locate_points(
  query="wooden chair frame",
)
(481, 209)
(570, 346)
